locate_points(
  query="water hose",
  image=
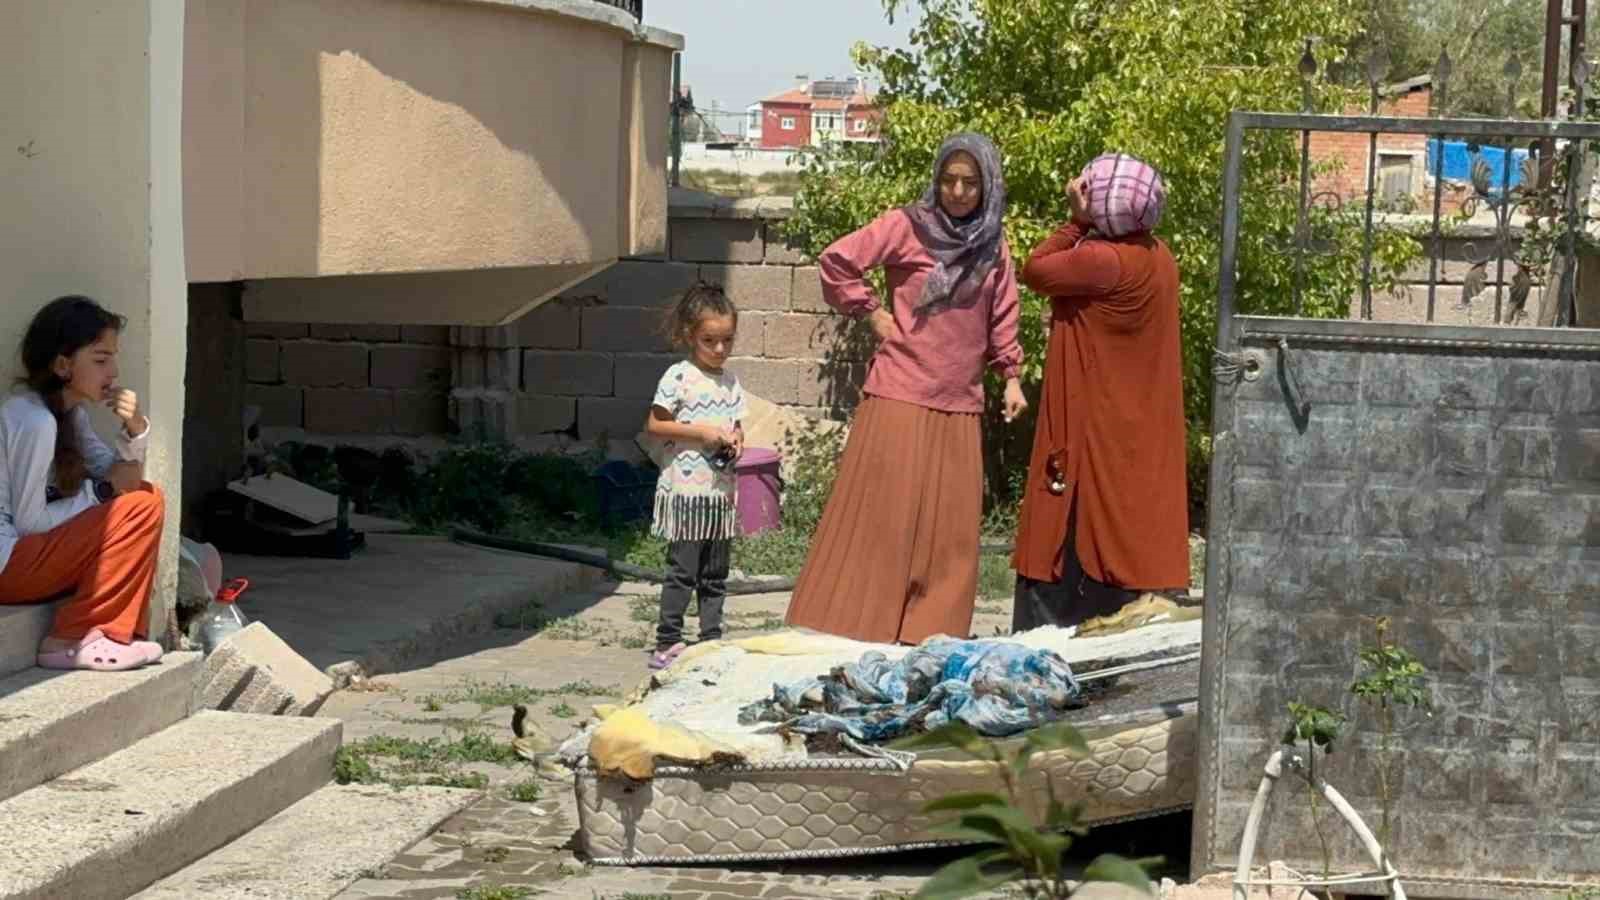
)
(625, 571)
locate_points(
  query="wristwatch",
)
(103, 491)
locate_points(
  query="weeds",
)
(492, 695)
(563, 710)
(409, 761)
(526, 791)
(495, 892)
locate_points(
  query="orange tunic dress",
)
(1111, 420)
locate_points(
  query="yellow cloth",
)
(629, 743)
(1147, 610)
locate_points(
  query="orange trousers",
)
(106, 556)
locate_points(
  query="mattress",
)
(1142, 738)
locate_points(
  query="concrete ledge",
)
(686, 203)
(114, 827)
(254, 671)
(21, 630)
(52, 722)
(319, 846)
(598, 13)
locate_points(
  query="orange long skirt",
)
(895, 558)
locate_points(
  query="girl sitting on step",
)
(75, 515)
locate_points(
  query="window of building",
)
(861, 126)
(786, 123)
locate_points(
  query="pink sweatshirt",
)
(937, 360)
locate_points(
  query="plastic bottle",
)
(222, 618)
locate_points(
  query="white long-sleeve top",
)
(27, 462)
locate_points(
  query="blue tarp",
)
(1458, 162)
(994, 687)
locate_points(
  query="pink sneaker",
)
(663, 658)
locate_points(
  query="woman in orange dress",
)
(895, 558)
(1104, 515)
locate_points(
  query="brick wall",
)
(349, 379)
(1348, 151)
(587, 362)
(584, 364)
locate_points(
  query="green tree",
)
(1056, 82)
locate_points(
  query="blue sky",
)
(742, 50)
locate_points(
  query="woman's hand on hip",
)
(1015, 403)
(883, 324)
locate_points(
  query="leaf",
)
(1109, 867)
(963, 802)
(956, 735)
(963, 878)
(1482, 176)
(1060, 736)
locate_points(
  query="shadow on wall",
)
(373, 128)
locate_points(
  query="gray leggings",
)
(694, 566)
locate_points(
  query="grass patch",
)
(563, 710)
(403, 761)
(491, 695)
(526, 791)
(495, 892)
(644, 608)
(995, 577)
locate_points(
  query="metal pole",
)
(677, 115)
(1549, 79)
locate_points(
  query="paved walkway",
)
(591, 649)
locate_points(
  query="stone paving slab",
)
(400, 603)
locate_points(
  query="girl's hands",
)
(124, 403)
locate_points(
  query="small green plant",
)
(1317, 729)
(563, 710)
(1016, 851)
(351, 767)
(432, 704)
(526, 791)
(495, 892)
(1393, 681)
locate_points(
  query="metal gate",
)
(1444, 476)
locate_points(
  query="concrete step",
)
(52, 722)
(21, 629)
(117, 826)
(319, 846)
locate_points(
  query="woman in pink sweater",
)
(895, 558)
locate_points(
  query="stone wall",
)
(349, 379)
(584, 364)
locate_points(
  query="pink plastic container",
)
(760, 488)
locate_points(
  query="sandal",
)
(100, 654)
(663, 658)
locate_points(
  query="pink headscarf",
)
(1125, 194)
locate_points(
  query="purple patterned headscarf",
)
(1125, 194)
(965, 250)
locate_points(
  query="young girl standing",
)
(694, 422)
(76, 515)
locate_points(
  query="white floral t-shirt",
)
(694, 500)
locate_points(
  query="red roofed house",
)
(815, 111)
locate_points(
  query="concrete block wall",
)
(586, 363)
(583, 364)
(349, 379)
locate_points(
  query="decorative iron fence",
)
(633, 8)
(1513, 184)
